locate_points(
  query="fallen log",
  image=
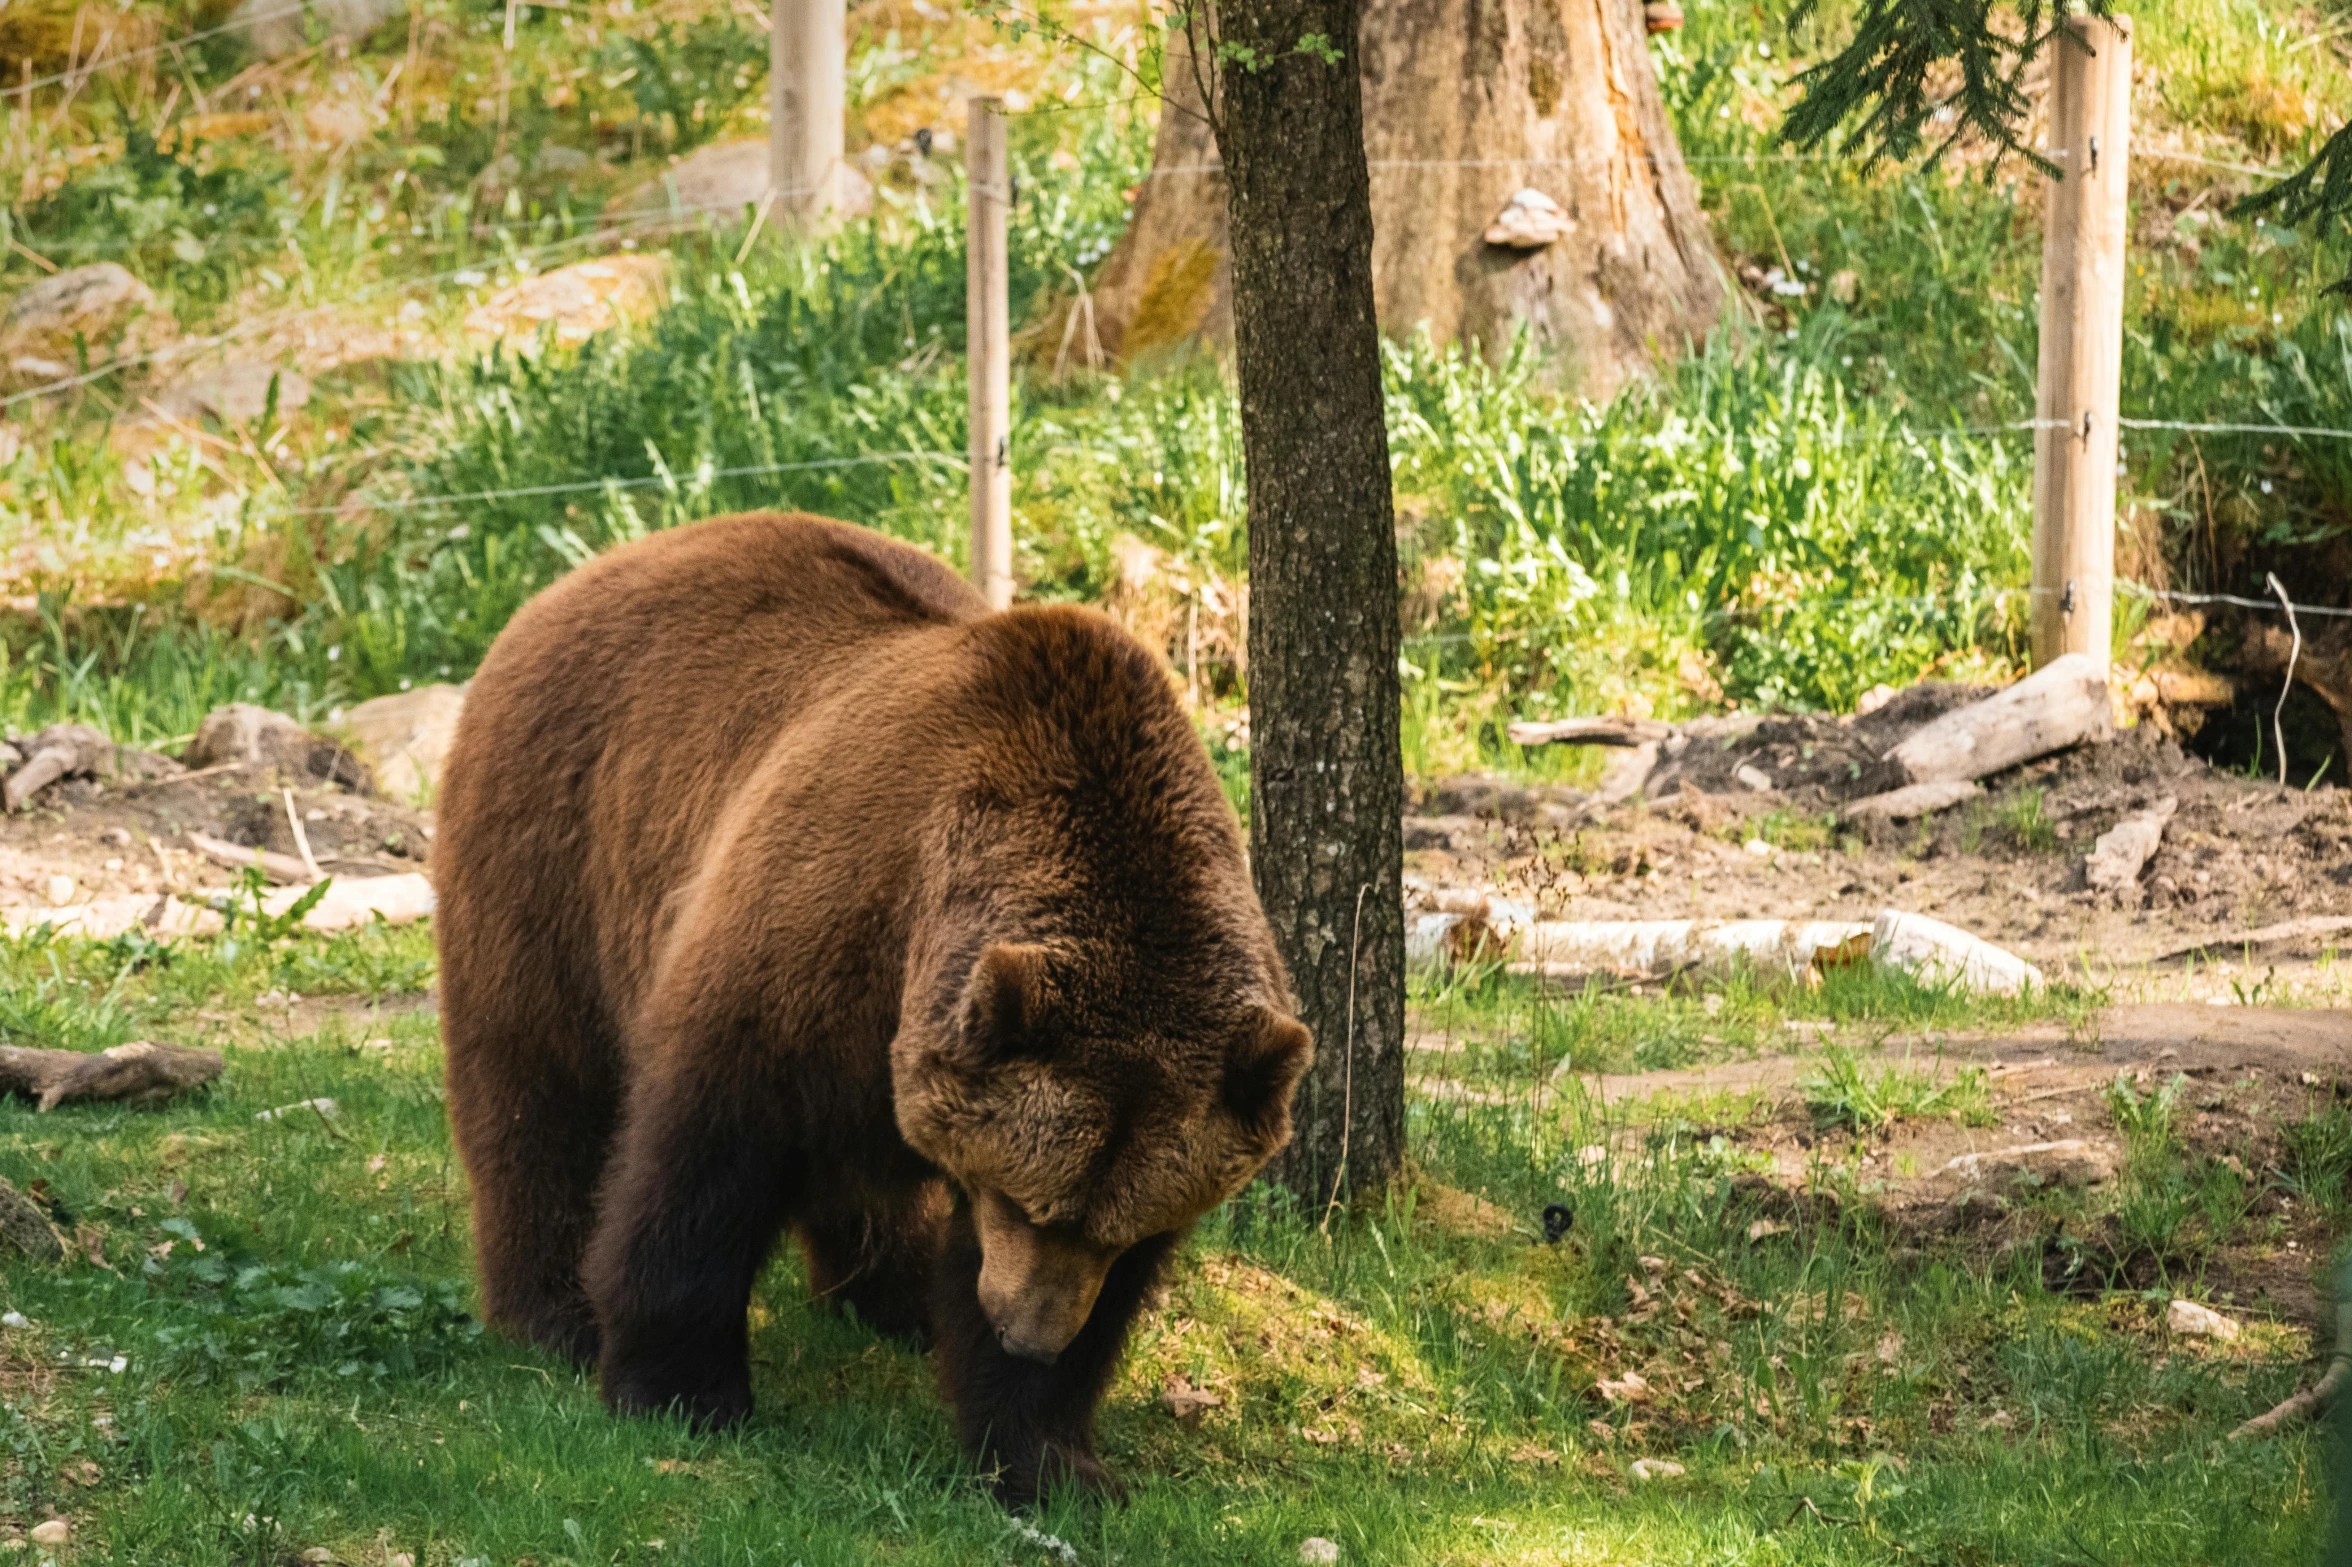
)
(1910, 801)
(1939, 954)
(1590, 731)
(1645, 949)
(2062, 704)
(347, 902)
(135, 1073)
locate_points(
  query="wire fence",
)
(626, 232)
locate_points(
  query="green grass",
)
(1846, 1092)
(1421, 1387)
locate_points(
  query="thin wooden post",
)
(989, 326)
(2083, 249)
(808, 52)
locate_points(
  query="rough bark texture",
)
(1465, 103)
(136, 1073)
(1327, 777)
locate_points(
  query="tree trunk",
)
(1466, 103)
(1326, 772)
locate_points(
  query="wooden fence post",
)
(2083, 249)
(989, 325)
(808, 61)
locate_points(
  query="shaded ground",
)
(2239, 855)
(131, 836)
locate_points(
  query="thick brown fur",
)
(782, 885)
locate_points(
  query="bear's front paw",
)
(1057, 1468)
(713, 1408)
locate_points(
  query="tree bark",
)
(1466, 102)
(1326, 771)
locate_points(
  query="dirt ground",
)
(2024, 1178)
(2238, 856)
(86, 837)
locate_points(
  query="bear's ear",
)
(1262, 1070)
(1005, 1010)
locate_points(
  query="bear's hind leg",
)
(532, 1106)
(879, 1262)
(1031, 1424)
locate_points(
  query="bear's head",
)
(1078, 1127)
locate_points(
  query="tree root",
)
(132, 1074)
(2314, 1402)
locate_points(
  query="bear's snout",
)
(1037, 1286)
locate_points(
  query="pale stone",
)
(55, 1532)
(41, 323)
(235, 393)
(2191, 1320)
(1316, 1551)
(573, 303)
(404, 739)
(1657, 1469)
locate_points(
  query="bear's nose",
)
(1027, 1349)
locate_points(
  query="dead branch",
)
(283, 869)
(2320, 1397)
(135, 1073)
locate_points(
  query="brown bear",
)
(783, 884)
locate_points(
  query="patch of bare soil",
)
(87, 837)
(2244, 1073)
(1745, 827)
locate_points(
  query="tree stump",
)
(1465, 106)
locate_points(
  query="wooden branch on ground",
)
(132, 1074)
(2316, 1400)
(2286, 930)
(59, 751)
(283, 869)
(1591, 731)
(1910, 801)
(2058, 706)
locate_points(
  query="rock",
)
(58, 889)
(235, 393)
(573, 303)
(244, 733)
(24, 1226)
(1656, 1469)
(1316, 1551)
(1625, 772)
(2071, 1162)
(560, 162)
(273, 31)
(1939, 954)
(2121, 852)
(1530, 220)
(718, 181)
(405, 738)
(1753, 777)
(55, 1532)
(2190, 1320)
(39, 328)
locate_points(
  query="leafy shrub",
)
(161, 213)
(691, 78)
